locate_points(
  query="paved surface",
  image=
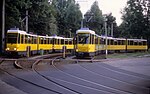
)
(127, 76)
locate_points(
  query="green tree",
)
(94, 18)
(12, 13)
(68, 16)
(73, 17)
(41, 20)
(146, 12)
(133, 19)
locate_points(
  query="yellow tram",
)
(21, 43)
(90, 44)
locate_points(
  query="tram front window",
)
(83, 38)
(12, 37)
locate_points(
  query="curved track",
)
(58, 77)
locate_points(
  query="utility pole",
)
(82, 23)
(112, 29)
(106, 51)
(3, 27)
(27, 21)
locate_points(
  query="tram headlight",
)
(15, 49)
(7, 49)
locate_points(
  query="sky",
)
(107, 6)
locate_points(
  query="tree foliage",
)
(68, 16)
(136, 19)
(56, 17)
(94, 18)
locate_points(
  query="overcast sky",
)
(107, 6)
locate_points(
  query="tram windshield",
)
(12, 37)
(83, 38)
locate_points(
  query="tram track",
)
(17, 64)
(27, 81)
(133, 85)
(58, 84)
(65, 84)
(33, 68)
(113, 90)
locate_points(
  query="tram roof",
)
(16, 31)
(85, 31)
(137, 39)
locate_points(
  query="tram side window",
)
(135, 43)
(144, 43)
(140, 43)
(96, 40)
(55, 41)
(128, 42)
(62, 41)
(102, 41)
(22, 39)
(41, 40)
(50, 41)
(66, 42)
(70, 42)
(131, 42)
(45, 40)
(35, 40)
(123, 42)
(115, 42)
(108, 42)
(26, 39)
(29, 39)
(119, 42)
(111, 42)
